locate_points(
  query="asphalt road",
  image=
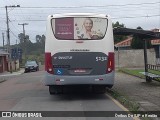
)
(26, 92)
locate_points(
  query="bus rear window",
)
(79, 28)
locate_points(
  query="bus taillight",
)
(48, 63)
(110, 64)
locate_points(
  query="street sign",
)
(16, 53)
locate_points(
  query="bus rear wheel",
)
(100, 89)
(148, 79)
(55, 89)
(109, 86)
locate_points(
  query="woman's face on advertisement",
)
(88, 24)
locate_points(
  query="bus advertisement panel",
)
(79, 28)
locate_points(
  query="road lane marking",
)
(121, 106)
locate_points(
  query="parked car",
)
(31, 66)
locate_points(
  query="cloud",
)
(36, 17)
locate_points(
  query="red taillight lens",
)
(110, 64)
(48, 63)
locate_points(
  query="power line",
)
(120, 9)
(157, 15)
(136, 16)
(15, 27)
(115, 10)
(28, 20)
(2, 29)
(14, 34)
(20, 9)
(134, 4)
(99, 6)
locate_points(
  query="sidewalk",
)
(147, 95)
(4, 75)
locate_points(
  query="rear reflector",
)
(79, 41)
(110, 64)
(48, 63)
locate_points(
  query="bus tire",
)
(55, 89)
(148, 79)
(100, 89)
(109, 86)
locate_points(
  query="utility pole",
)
(3, 39)
(8, 35)
(23, 24)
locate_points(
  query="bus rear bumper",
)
(106, 79)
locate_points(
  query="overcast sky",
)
(144, 13)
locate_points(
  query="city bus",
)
(79, 50)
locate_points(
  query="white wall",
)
(134, 58)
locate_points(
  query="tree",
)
(138, 43)
(21, 37)
(118, 38)
(43, 39)
(118, 25)
(32, 50)
(38, 38)
(27, 38)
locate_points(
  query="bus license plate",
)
(79, 71)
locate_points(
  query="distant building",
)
(3, 61)
(156, 44)
(125, 44)
(155, 30)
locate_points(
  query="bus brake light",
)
(110, 64)
(48, 63)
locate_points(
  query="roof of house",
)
(155, 30)
(3, 53)
(127, 42)
(155, 42)
(124, 43)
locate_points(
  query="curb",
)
(124, 100)
(2, 80)
(121, 106)
(12, 74)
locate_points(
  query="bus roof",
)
(79, 15)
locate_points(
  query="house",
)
(156, 44)
(3, 61)
(155, 30)
(125, 44)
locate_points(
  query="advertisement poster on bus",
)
(64, 28)
(80, 28)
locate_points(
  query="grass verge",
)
(131, 105)
(137, 73)
(132, 72)
(124, 100)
